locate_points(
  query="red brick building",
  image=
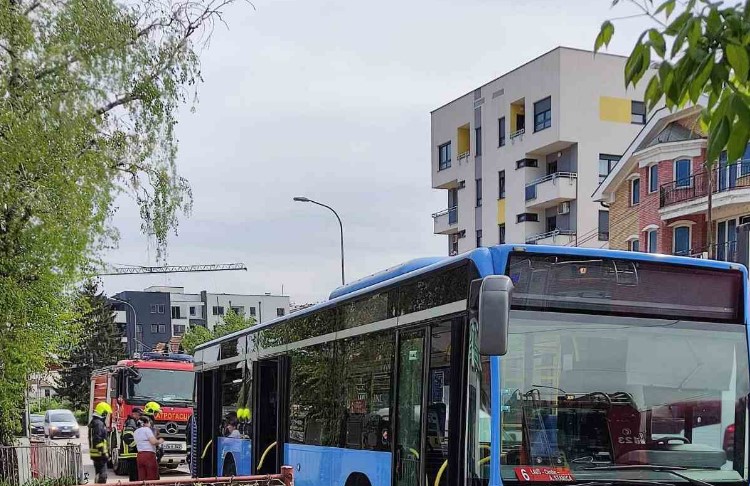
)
(658, 193)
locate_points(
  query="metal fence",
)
(55, 463)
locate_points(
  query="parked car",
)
(36, 424)
(60, 423)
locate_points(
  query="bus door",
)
(209, 421)
(266, 416)
(430, 370)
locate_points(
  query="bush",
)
(82, 416)
(50, 403)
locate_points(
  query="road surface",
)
(88, 466)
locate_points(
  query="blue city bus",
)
(516, 363)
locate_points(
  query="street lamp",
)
(135, 321)
(341, 227)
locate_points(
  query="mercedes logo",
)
(171, 428)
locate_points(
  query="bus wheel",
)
(357, 479)
(229, 469)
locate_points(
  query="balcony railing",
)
(531, 186)
(723, 178)
(550, 234)
(725, 252)
(451, 212)
(517, 133)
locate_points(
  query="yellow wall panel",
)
(614, 109)
(501, 211)
(464, 139)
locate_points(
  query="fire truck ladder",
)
(139, 270)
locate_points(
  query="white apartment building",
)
(520, 156)
(263, 307)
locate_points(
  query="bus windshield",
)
(162, 386)
(591, 391)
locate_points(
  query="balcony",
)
(121, 317)
(446, 221)
(725, 252)
(556, 237)
(731, 185)
(551, 190)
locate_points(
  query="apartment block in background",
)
(520, 156)
(658, 195)
(263, 307)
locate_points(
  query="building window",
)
(444, 156)
(479, 238)
(154, 308)
(635, 191)
(501, 234)
(638, 112)
(501, 185)
(162, 308)
(192, 310)
(239, 310)
(453, 245)
(178, 329)
(682, 240)
(520, 164)
(154, 328)
(479, 192)
(175, 312)
(531, 217)
(634, 245)
(501, 131)
(543, 114)
(139, 329)
(279, 312)
(218, 310)
(603, 225)
(606, 164)
(478, 141)
(162, 328)
(653, 178)
(682, 169)
(651, 241)
(252, 311)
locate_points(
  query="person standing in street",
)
(98, 447)
(129, 452)
(146, 443)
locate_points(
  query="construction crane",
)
(138, 270)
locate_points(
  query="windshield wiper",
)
(649, 467)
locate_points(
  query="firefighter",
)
(98, 449)
(129, 452)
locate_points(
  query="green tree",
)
(99, 345)
(89, 92)
(231, 322)
(699, 48)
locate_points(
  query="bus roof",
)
(487, 260)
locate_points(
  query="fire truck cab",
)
(163, 378)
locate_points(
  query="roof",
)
(657, 126)
(558, 48)
(384, 275)
(674, 132)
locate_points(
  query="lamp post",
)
(341, 227)
(135, 322)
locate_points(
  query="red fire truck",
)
(163, 378)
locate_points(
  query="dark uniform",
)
(129, 452)
(98, 447)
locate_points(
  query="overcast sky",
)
(331, 100)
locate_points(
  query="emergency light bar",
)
(186, 358)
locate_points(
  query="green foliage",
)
(89, 92)
(708, 58)
(99, 344)
(82, 416)
(231, 322)
(48, 403)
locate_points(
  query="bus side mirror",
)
(494, 314)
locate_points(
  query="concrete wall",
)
(145, 317)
